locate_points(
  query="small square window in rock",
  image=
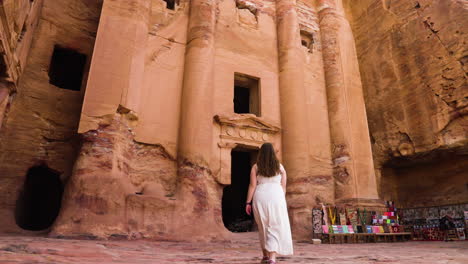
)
(67, 68)
(307, 40)
(3, 68)
(247, 13)
(171, 4)
(246, 94)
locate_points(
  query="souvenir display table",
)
(367, 238)
(354, 225)
(394, 237)
(437, 223)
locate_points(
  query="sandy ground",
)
(242, 249)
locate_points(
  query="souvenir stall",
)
(354, 225)
(436, 223)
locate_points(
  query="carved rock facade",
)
(168, 91)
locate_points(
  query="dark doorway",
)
(170, 4)
(38, 204)
(241, 100)
(246, 94)
(234, 196)
(3, 68)
(67, 68)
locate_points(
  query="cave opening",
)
(246, 94)
(66, 68)
(170, 4)
(39, 202)
(234, 196)
(3, 68)
(307, 40)
(241, 100)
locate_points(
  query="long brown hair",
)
(267, 162)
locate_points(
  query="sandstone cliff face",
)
(413, 62)
(17, 27)
(317, 186)
(162, 136)
(42, 120)
(158, 122)
(146, 150)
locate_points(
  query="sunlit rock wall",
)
(144, 147)
(161, 134)
(42, 120)
(413, 63)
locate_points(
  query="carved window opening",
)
(23, 32)
(307, 40)
(246, 94)
(3, 67)
(233, 202)
(247, 12)
(171, 4)
(67, 68)
(39, 202)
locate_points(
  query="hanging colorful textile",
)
(343, 217)
(362, 216)
(324, 214)
(317, 221)
(332, 215)
(352, 215)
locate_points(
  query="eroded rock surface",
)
(171, 89)
(41, 124)
(242, 249)
(412, 57)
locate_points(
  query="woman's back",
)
(275, 179)
(266, 197)
(271, 215)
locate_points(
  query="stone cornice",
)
(247, 121)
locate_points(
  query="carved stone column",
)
(198, 195)
(117, 67)
(94, 201)
(293, 114)
(195, 137)
(351, 149)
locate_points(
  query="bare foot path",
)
(242, 249)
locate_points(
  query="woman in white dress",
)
(266, 198)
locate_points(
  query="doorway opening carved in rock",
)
(39, 202)
(66, 68)
(246, 94)
(234, 196)
(3, 68)
(171, 4)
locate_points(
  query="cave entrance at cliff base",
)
(39, 202)
(234, 196)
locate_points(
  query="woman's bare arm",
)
(252, 186)
(283, 178)
(253, 183)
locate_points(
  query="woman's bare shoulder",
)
(254, 167)
(282, 169)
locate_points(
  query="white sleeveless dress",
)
(271, 215)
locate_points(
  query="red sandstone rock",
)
(147, 152)
(412, 61)
(242, 249)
